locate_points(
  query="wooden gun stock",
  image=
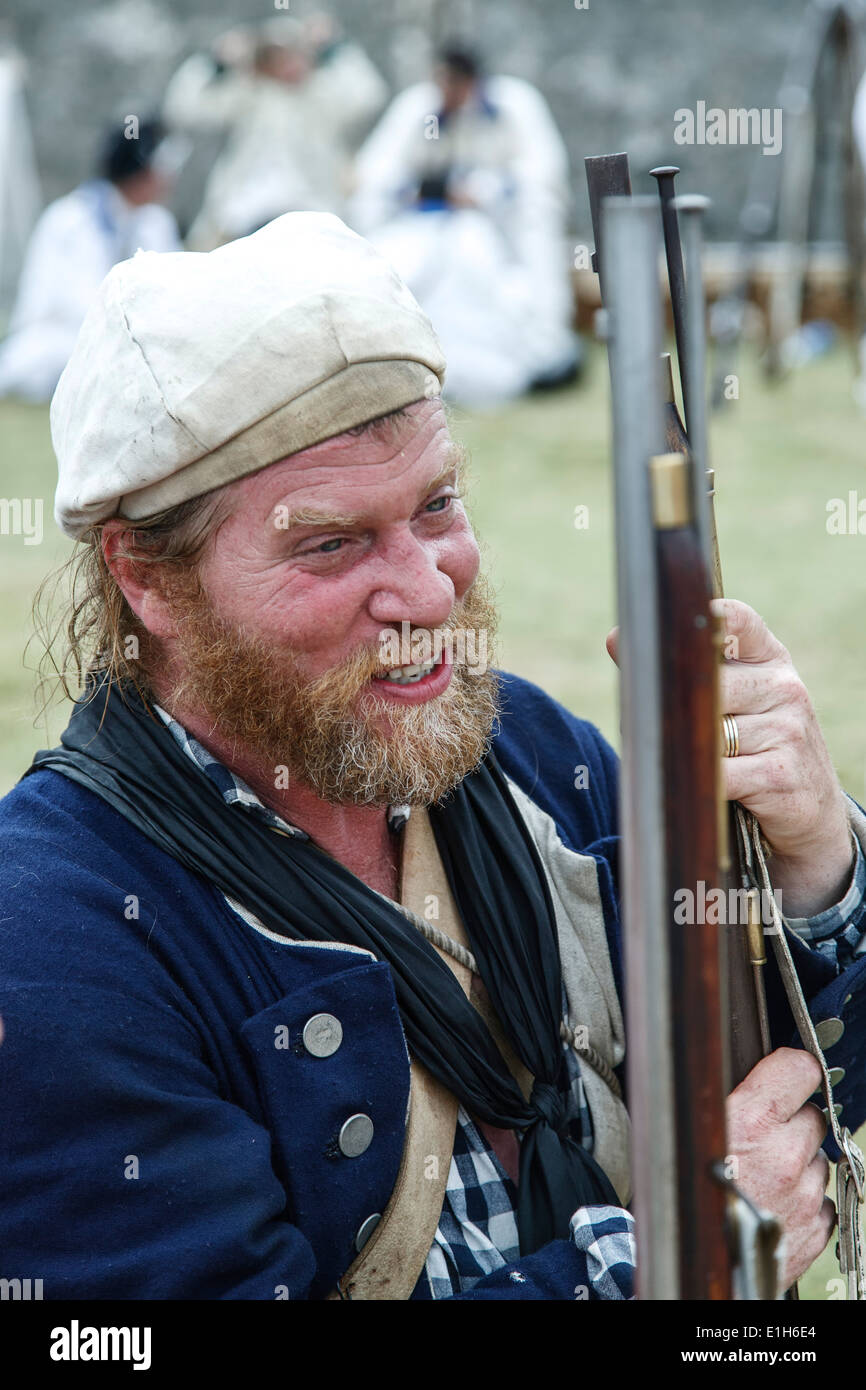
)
(689, 690)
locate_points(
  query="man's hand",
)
(776, 1137)
(783, 773)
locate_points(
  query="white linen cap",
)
(192, 370)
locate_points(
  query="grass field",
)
(780, 454)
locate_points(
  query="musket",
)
(697, 1237)
(671, 834)
(744, 954)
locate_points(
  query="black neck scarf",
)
(122, 751)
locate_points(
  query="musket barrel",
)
(664, 176)
(631, 242)
(607, 176)
(692, 208)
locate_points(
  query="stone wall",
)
(614, 72)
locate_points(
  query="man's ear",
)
(135, 579)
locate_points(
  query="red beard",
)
(335, 734)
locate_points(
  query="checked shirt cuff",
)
(605, 1238)
(839, 933)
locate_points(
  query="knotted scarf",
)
(117, 747)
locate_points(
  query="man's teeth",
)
(408, 675)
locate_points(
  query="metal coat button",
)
(366, 1229)
(356, 1136)
(322, 1035)
(837, 1074)
(829, 1031)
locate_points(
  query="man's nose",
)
(410, 586)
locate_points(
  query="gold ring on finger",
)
(731, 736)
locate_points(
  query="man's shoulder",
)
(562, 762)
(47, 811)
(533, 720)
(521, 696)
(66, 856)
(89, 911)
(418, 100)
(66, 215)
(515, 95)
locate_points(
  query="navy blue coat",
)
(154, 1142)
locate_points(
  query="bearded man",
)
(311, 978)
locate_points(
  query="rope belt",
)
(464, 957)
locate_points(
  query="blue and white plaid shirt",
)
(477, 1231)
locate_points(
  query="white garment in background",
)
(20, 197)
(456, 264)
(504, 317)
(858, 125)
(858, 120)
(288, 146)
(74, 245)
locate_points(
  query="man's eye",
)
(329, 547)
(435, 506)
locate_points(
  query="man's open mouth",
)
(416, 681)
(408, 675)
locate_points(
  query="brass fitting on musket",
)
(755, 928)
(668, 380)
(670, 491)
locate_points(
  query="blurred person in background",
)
(858, 123)
(463, 185)
(75, 243)
(20, 194)
(291, 98)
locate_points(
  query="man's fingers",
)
(763, 733)
(817, 1174)
(750, 640)
(807, 1131)
(754, 640)
(749, 776)
(758, 689)
(782, 1082)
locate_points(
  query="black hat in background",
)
(127, 151)
(460, 59)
